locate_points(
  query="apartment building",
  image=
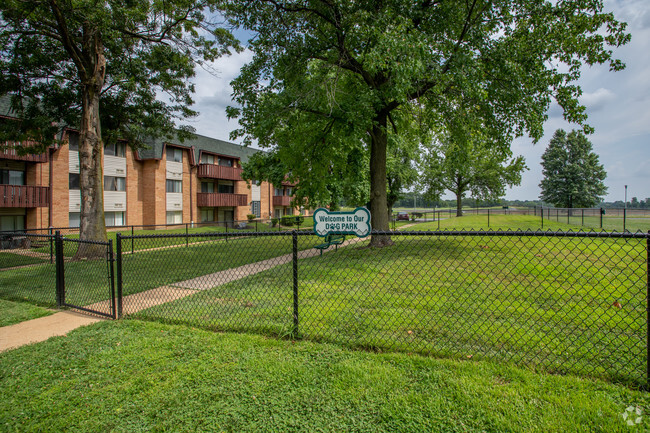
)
(170, 182)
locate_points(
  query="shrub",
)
(251, 216)
(290, 220)
(274, 222)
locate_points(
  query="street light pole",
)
(625, 205)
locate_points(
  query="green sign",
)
(356, 222)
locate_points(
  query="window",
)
(74, 180)
(116, 149)
(289, 191)
(73, 140)
(288, 211)
(207, 214)
(174, 185)
(174, 154)
(279, 192)
(112, 183)
(74, 219)
(207, 159)
(12, 177)
(207, 187)
(226, 162)
(226, 189)
(114, 219)
(278, 213)
(12, 223)
(175, 217)
(256, 209)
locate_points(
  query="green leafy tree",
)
(99, 66)
(573, 177)
(474, 166)
(333, 75)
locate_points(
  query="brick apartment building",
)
(170, 182)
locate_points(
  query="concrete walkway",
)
(37, 330)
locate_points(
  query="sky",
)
(618, 105)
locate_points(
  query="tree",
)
(99, 66)
(473, 166)
(331, 75)
(573, 177)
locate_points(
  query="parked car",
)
(402, 216)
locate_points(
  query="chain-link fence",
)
(564, 302)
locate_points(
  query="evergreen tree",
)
(573, 177)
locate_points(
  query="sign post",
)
(356, 222)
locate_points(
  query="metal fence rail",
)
(564, 302)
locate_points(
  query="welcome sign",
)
(356, 222)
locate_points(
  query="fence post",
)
(187, 239)
(488, 217)
(118, 309)
(647, 339)
(438, 220)
(624, 219)
(60, 269)
(583, 218)
(601, 218)
(542, 214)
(295, 284)
(131, 239)
(111, 261)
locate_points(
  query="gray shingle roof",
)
(198, 143)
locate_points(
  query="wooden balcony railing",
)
(282, 200)
(209, 199)
(8, 151)
(214, 171)
(24, 196)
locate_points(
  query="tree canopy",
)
(107, 68)
(573, 176)
(475, 166)
(331, 77)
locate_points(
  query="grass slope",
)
(544, 302)
(137, 377)
(9, 260)
(16, 312)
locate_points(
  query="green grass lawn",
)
(530, 222)
(87, 281)
(9, 260)
(133, 376)
(550, 303)
(16, 312)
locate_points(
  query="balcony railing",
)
(214, 171)
(24, 196)
(209, 199)
(282, 200)
(10, 152)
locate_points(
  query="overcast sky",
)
(618, 105)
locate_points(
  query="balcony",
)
(210, 199)
(10, 152)
(213, 171)
(282, 200)
(24, 196)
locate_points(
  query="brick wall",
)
(60, 183)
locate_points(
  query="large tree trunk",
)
(378, 201)
(91, 149)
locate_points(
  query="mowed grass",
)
(557, 304)
(16, 312)
(87, 282)
(10, 260)
(530, 222)
(137, 376)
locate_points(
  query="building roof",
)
(197, 144)
(5, 106)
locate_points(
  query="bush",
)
(290, 220)
(251, 217)
(274, 222)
